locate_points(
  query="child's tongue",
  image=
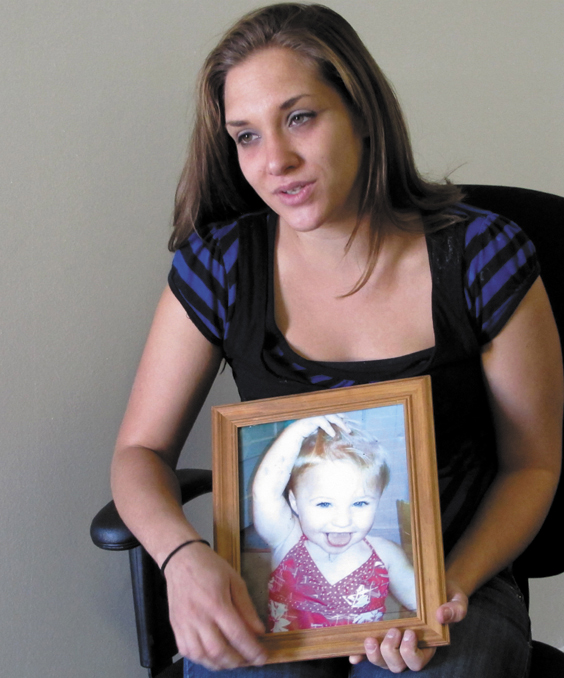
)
(338, 538)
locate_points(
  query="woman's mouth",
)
(339, 539)
(296, 193)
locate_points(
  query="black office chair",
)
(541, 215)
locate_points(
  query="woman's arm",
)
(175, 374)
(523, 371)
(211, 614)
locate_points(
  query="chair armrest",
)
(109, 532)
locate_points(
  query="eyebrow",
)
(283, 107)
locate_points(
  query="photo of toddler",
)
(315, 496)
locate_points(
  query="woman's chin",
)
(299, 223)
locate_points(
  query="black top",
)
(485, 251)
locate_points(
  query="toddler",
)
(315, 496)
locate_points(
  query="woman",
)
(329, 261)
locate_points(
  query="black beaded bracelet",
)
(177, 549)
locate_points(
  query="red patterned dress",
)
(301, 598)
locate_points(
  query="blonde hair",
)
(356, 447)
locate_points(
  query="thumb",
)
(456, 608)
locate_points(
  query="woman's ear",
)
(293, 503)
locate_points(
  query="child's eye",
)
(360, 503)
(323, 504)
(245, 138)
(300, 117)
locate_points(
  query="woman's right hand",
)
(211, 613)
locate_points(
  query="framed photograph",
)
(327, 504)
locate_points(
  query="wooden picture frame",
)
(236, 430)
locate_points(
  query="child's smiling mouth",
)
(338, 538)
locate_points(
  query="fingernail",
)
(447, 615)
(391, 634)
(370, 645)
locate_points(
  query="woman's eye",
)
(299, 118)
(245, 138)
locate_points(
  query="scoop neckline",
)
(404, 360)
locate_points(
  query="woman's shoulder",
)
(212, 251)
(483, 226)
(222, 234)
(205, 274)
(477, 237)
(499, 266)
(473, 222)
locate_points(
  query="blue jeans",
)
(493, 641)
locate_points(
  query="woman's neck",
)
(390, 316)
(327, 250)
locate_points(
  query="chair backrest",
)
(541, 216)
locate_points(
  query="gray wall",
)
(94, 112)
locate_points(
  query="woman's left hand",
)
(398, 651)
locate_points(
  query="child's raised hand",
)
(272, 515)
(307, 426)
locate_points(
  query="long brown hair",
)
(212, 187)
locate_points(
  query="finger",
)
(373, 653)
(189, 646)
(188, 638)
(390, 651)
(239, 633)
(356, 658)
(243, 641)
(204, 644)
(326, 423)
(216, 651)
(339, 421)
(454, 610)
(244, 605)
(450, 613)
(309, 425)
(414, 657)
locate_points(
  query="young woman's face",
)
(297, 142)
(336, 504)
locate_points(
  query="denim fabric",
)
(493, 641)
(319, 668)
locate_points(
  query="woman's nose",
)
(280, 156)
